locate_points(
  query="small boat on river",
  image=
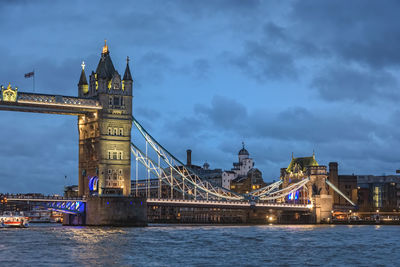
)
(8, 219)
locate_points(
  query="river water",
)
(177, 245)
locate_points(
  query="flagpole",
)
(33, 80)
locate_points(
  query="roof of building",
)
(105, 68)
(243, 151)
(82, 79)
(302, 163)
(254, 171)
(239, 179)
(127, 74)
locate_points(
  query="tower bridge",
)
(105, 197)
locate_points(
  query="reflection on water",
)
(178, 245)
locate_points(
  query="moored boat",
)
(13, 220)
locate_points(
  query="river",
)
(180, 245)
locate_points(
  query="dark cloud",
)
(207, 7)
(357, 31)
(263, 62)
(356, 142)
(295, 124)
(223, 113)
(358, 86)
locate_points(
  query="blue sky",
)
(282, 76)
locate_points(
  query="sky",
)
(281, 76)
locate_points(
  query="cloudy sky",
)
(282, 76)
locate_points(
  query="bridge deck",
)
(53, 104)
(225, 204)
(180, 203)
(44, 199)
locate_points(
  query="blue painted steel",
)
(70, 207)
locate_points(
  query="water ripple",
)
(177, 245)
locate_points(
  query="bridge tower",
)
(105, 135)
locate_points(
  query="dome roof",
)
(243, 151)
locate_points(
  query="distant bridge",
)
(61, 204)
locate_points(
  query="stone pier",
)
(111, 211)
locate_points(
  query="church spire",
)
(127, 74)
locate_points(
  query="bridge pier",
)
(323, 205)
(111, 211)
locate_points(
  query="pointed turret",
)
(83, 84)
(127, 80)
(127, 74)
(105, 68)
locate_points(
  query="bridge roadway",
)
(43, 198)
(178, 203)
(53, 104)
(225, 204)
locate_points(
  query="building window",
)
(120, 155)
(121, 131)
(109, 131)
(109, 157)
(116, 101)
(115, 155)
(110, 100)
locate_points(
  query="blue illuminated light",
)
(93, 182)
(293, 195)
(108, 203)
(81, 206)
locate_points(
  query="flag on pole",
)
(29, 74)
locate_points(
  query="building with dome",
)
(243, 177)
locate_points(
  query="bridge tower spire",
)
(83, 86)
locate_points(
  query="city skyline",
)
(208, 76)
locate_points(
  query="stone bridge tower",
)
(317, 189)
(105, 136)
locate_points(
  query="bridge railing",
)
(24, 197)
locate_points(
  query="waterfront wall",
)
(165, 214)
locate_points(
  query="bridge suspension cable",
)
(285, 191)
(182, 177)
(266, 190)
(339, 192)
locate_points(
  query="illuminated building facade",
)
(243, 177)
(378, 192)
(302, 168)
(105, 136)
